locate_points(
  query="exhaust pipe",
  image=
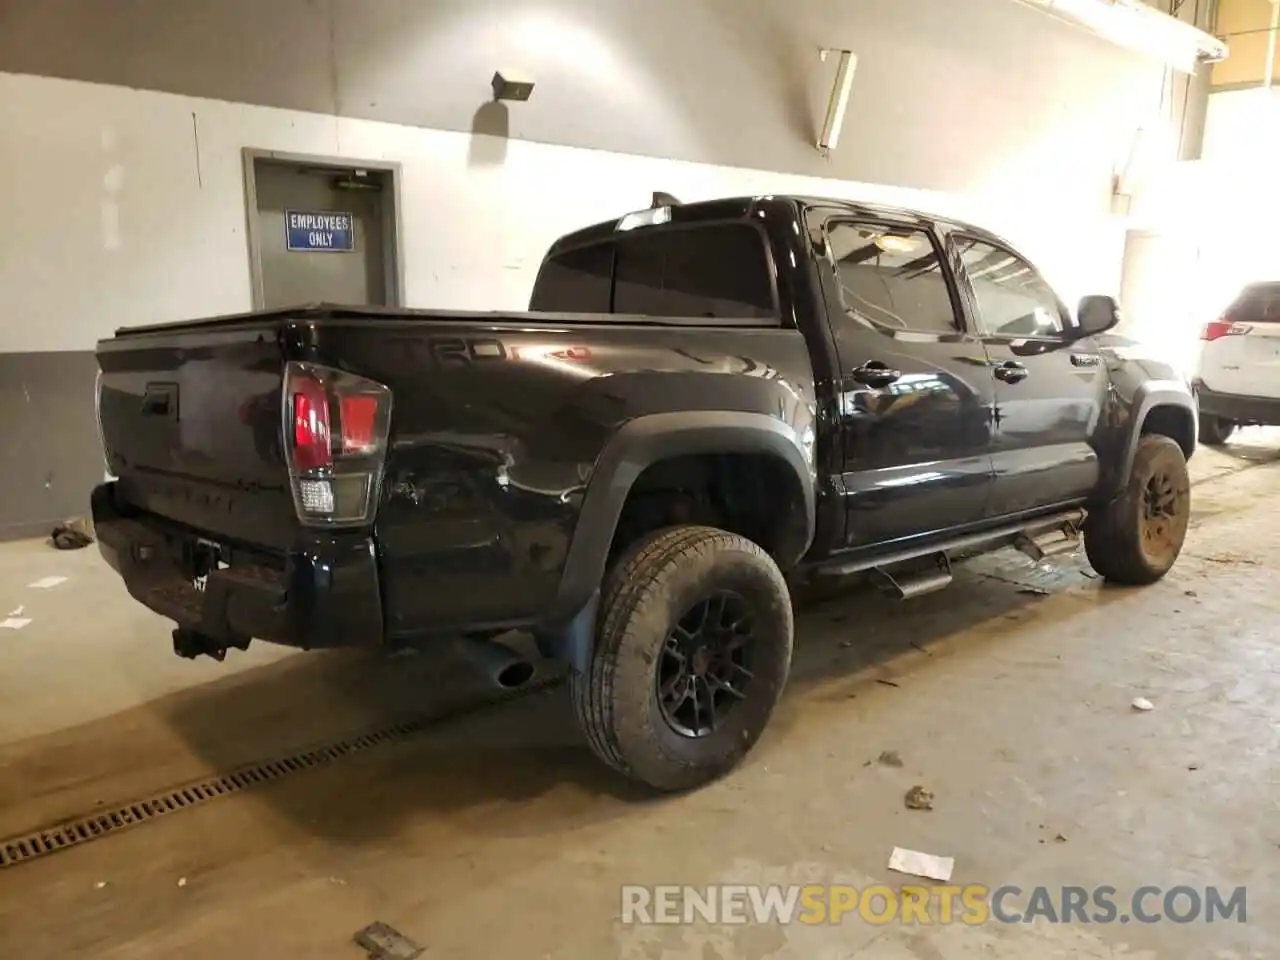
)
(502, 665)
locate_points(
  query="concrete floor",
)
(497, 833)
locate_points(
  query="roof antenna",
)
(663, 200)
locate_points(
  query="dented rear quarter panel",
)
(497, 429)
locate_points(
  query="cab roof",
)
(736, 208)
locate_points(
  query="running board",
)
(1055, 543)
(1049, 529)
(905, 585)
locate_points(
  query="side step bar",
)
(1052, 544)
(905, 585)
(1039, 539)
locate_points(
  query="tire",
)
(1122, 544)
(1215, 431)
(659, 583)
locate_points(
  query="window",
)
(1258, 303)
(892, 276)
(1012, 299)
(719, 270)
(576, 281)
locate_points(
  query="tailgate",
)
(191, 420)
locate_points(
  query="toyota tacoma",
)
(705, 405)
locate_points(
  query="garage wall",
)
(126, 206)
(943, 88)
(1246, 26)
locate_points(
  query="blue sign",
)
(319, 231)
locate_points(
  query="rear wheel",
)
(1214, 431)
(1137, 537)
(691, 655)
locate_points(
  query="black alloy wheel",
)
(705, 666)
(1161, 508)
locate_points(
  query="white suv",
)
(1237, 380)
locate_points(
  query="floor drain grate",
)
(80, 830)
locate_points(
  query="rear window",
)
(714, 271)
(1258, 303)
(577, 281)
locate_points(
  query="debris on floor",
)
(918, 798)
(18, 611)
(887, 683)
(182, 881)
(1231, 559)
(100, 885)
(14, 623)
(890, 758)
(45, 583)
(1060, 838)
(1143, 704)
(66, 537)
(386, 943)
(919, 864)
(1035, 591)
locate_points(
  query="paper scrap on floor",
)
(921, 864)
(46, 582)
(14, 623)
(17, 612)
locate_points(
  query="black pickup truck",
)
(707, 404)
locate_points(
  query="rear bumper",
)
(323, 594)
(1230, 406)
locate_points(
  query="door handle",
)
(873, 373)
(1011, 371)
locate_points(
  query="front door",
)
(916, 393)
(1050, 389)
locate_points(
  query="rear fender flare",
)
(639, 444)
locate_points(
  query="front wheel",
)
(1136, 538)
(1215, 431)
(691, 655)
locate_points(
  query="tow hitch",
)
(190, 644)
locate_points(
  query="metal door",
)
(320, 235)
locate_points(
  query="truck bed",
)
(495, 426)
(334, 311)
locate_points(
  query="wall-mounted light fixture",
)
(839, 101)
(507, 86)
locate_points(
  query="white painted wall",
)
(124, 207)
(946, 91)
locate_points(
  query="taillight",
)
(336, 426)
(311, 447)
(1223, 328)
(359, 423)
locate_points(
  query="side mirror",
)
(1096, 315)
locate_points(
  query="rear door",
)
(915, 393)
(1049, 388)
(1240, 352)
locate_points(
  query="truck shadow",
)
(478, 772)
